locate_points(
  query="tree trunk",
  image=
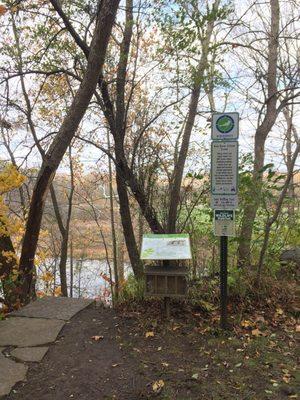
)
(192, 111)
(71, 268)
(112, 223)
(62, 265)
(288, 161)
(105, 20)
(178, 169)
(120, 255)
(65, 236)
(130, 241)
(253, 201)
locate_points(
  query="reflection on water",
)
(90, 278)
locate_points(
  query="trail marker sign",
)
(224, 201)
(224, 167)
(224, 189)
(224, 223)
(225, 126)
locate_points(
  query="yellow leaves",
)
(10, 179)
(10, 256)
(47, 277)
(157, 386)
(246, 323)
(279, 312)
(149, 334)
(57, 291)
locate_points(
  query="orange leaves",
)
(57, 291)
(3, 10)
(257, 332)
(106, 278)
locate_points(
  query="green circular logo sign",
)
(225, 124)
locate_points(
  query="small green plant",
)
(132, 290)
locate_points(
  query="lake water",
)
(87, 279)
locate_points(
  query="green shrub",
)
(132, 290)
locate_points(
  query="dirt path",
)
(190, 361)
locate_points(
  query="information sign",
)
(224, 223)
(225, 126)
(166, 247)
(224, 167)
(224, 201)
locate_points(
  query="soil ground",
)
(131, 354)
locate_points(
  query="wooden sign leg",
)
(167, 307)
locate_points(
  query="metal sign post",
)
(224, 190)
(223, 280)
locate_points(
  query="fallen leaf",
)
(164, 364)
(256, 332)
(195, 376)
(97, 338)
(159, 348)
(297, 328)
(245, 324)
(149, 334)
(157, 386)
(115, 365)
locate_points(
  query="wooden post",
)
(167, 308)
